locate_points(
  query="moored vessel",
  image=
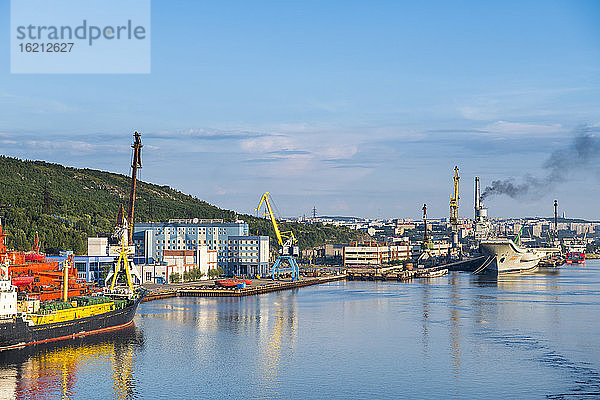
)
(28, 316)
(25, 320)
(506, 257)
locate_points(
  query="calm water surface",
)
(525, 336)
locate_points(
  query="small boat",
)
(434, 274)
(233, 282)
(227, 282)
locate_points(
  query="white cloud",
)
(479, 113)
(266, 144)
(72, 146)
(525, 129)
(338, 152)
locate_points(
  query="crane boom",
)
(454, 199)
(269, 212)
(288, 236)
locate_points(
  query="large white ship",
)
(504, 256)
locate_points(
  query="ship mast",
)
(66, 266)
(136, 163)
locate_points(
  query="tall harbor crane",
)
(454, 210)
(427, 242)
(288, 251)
(426, 238)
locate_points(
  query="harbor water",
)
(526, 336)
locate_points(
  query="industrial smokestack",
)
(556, 219)
(477, 205)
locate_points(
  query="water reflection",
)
(518, 336)
(425, 304)
(52, 370)
(455, 323)
(279, 329)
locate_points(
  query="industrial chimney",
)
(477, 205)
(555, 219)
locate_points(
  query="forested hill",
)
(66, 205)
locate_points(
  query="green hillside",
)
(84, 202)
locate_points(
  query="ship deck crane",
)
(135, 165)
(287, 241)
(125, 249)
(124, 261)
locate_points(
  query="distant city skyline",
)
(358, 109)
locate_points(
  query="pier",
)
(393, 273)
(208, 289)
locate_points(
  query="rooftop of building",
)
(139, 225)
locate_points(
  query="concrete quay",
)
(209, 289)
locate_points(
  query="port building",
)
(248, 255)
(179, 262)
(96, 264)
(370, 254)
(237, 253)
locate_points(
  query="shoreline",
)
(261, 286)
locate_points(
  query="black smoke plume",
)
(582, 154)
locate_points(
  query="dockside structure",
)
(370, 254)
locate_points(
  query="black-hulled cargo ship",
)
(27, 322)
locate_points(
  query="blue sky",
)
(355, 107)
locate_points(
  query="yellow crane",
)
(454, 199)
(124, 261)
(287, 235)
(287, 241)
(454, 210)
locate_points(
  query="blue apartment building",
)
(151, 239)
